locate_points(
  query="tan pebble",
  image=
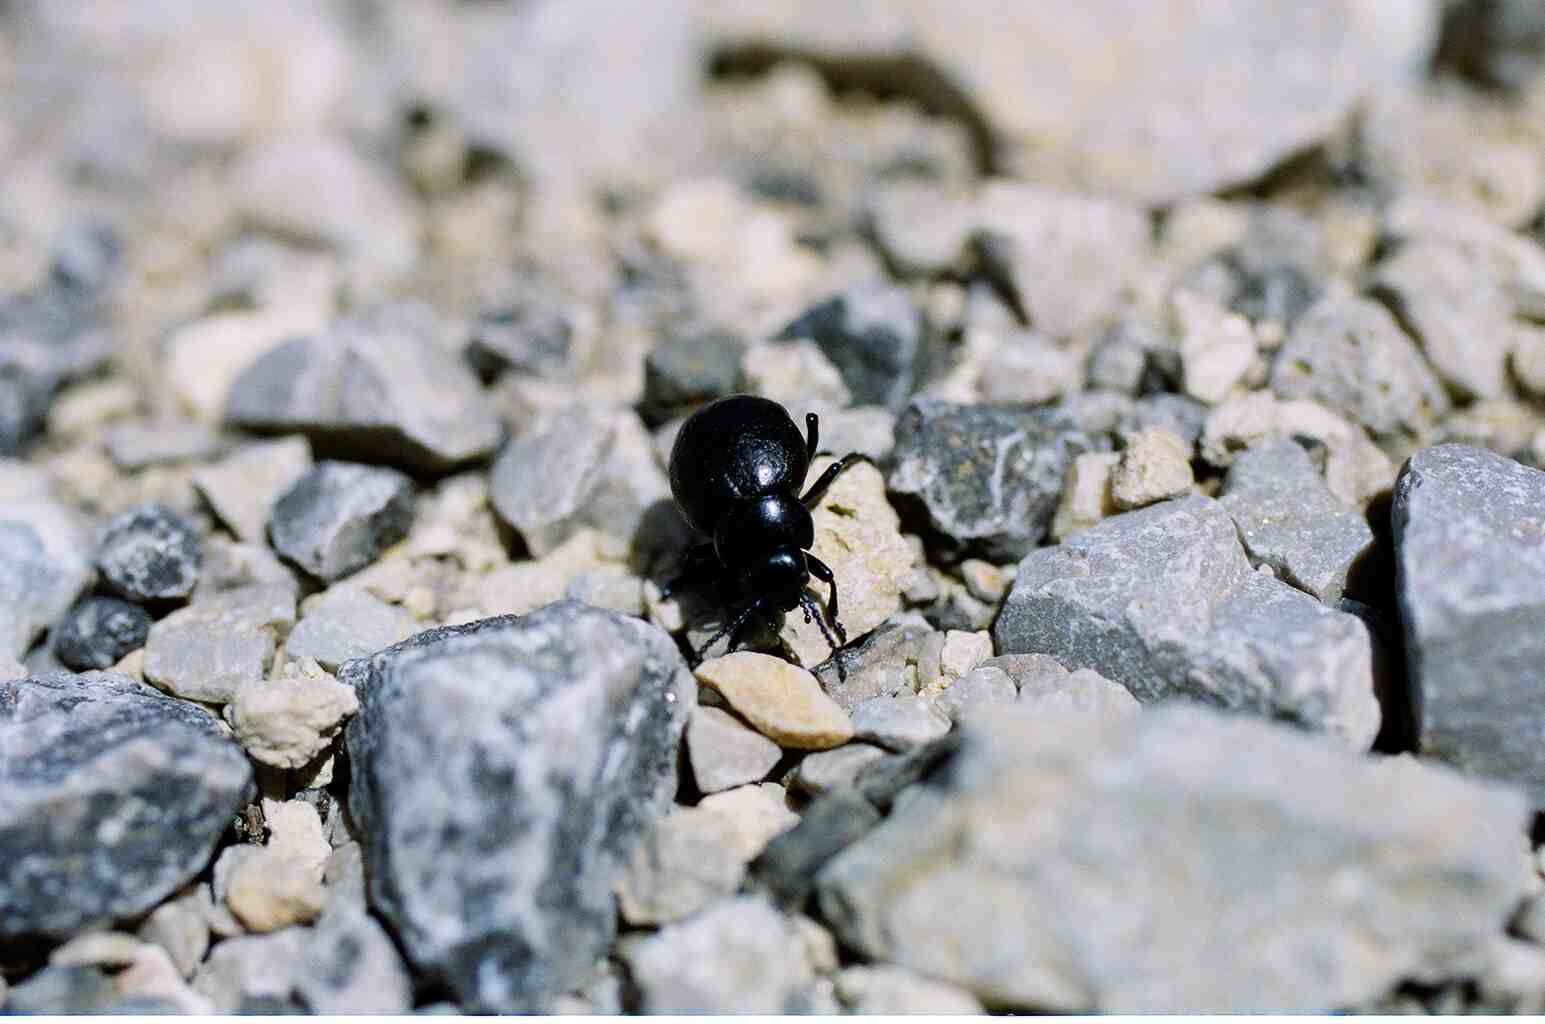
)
(963, 651)
(781, 701)
(269, 891)
(1086, 497)
(1155, 466)
(97, 949)
(295, 830)
(758, 812)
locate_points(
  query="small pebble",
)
(149, 553)
(689, 859)
(97, 949)
(888, 989)
(899, 723)
(1154, 466)
(268, 891)
(286, 722)
(759, 813)
(783, 702)
(1083, 692)
(99, 631)
(340, 516)
(724, 753)
(346, 622)
(243, 487)
(827, 769)
(179, 926)
(983, 688)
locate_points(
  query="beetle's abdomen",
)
(733, 450)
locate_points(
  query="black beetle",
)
(736, 469)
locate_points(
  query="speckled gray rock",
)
(987, 478)
(340, 516)
(1145, 850)
(724, 753)
(112, 797)
(98, 632)
(149, 553)
(689, 370)
(1289, 520)
(688, 859)
(378, 388)
(350, 965)
(1349, 354)
(1164, 602)
(899, 723)
(48, 564)
(979, 691)
(875, 337)
(590, 466)
(346, 622)
(1471, 581)
(207, 650)
(741, 956)
(568, 719)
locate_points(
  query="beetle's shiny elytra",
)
(736, 470)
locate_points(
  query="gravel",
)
(149, 553)
(724, 753)
(875, 337)
(98, 632)
(340, 516)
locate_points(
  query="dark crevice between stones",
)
(903, 75)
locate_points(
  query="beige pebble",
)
(269, 891)
(154, 975)
(781, 701)
(97, 949)
(1216, 346)
(1086, 497)
(295, 830)
(1154, 466)
(758, 812)
(963, 651)
(286, 722)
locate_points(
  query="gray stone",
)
(243, 487)
(882, 664)
(1289, 520)
(98, 632)
(1163, 102)
(207, 650)
(686, 861)
(340, 516)
(741, 956)
(1084, 692)
(1498, 43)
(1471, 582)
(888, 989)
(886, 780)
(80, 989)
(1111, 864)
(567, 719)
(112, 797)
(724, 753)
(252, 971)
(346, 622)
(1349, 354)
(875, 337)
(899, 723)
(149, 553)
(825, 770)
(135, 446)
(378, 388)
(837, 819)
(179, 927)
(1164, 602)
(348, 964)
(590, 466)
(979, 691)
(231, 566)
(47, 559)
(689, 370)
(988, 479)
(1182, 416)
(529, 336)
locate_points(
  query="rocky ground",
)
(1196, 596)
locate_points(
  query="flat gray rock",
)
(1289, 520)
(1112, 864)
(346, 622)
(988, 479)
(376, 388)
(350, 965)
(882, 664)
(205, 651)
(1163, 601)
(899, 723)
(340, 516)
(1470, 559)
(48, 563)
(825, 770)
(567, 721)
(112, 797)
(1348, 353)
(724, 753)
(690, 858)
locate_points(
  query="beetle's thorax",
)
(753, 529)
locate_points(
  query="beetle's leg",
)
(812, 434)
(729, 629)
(823, 572)
(697, 565)
(808, 603)
(817, 490)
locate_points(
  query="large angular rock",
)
(48, 563)
(376, 388)
(1163, 601)
(1289, 520)
(112, 797)
(1471, 580)
(1112, 864)
(875, 337)
(988, 479)
(503, 772)
(1163, 100)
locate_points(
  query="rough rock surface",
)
(98, 632)
(1468, 526)
(346, 622)
(1361, 872)
(49, 564)
(149, 554)
(988, 479)
(113, 798)
(374, 388)
(876, 339)
(207, 650)
(1289, 520)
(1163, 601)
(340, 516)
(569, 719)
(781, 701)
